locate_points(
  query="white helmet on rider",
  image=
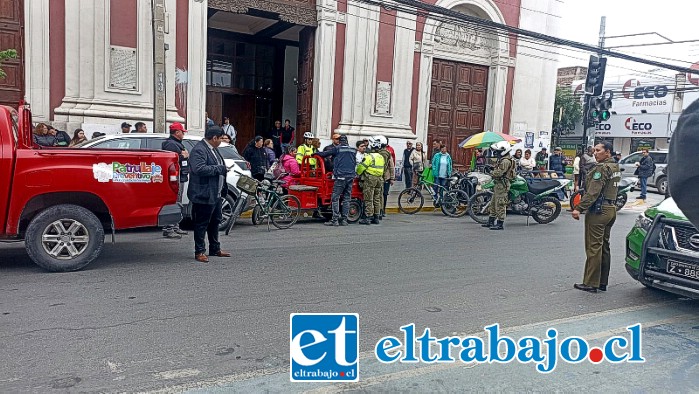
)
(373, 143)
(382, 141)
(308, 135)
(502, 147)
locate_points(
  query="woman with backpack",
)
(419, 160)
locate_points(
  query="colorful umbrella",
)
(487, 138)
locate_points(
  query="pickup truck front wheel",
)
(64, 238)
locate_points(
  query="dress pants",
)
(598, 228)
(206, 219)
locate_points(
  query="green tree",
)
(4, 55)
(571, 113)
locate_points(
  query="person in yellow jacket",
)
(370, 172)
(307, 149)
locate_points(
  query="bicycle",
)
(454, 202)
(282, 210)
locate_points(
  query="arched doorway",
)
(464, 73)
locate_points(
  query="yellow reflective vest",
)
(373, 165)
(303, 151)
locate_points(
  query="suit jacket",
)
(204, 172)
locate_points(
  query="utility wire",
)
(499, 37)
(418, 5)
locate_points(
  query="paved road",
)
(147, 317)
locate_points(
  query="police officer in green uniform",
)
(503, 174)
(600, 194)
(370, 172)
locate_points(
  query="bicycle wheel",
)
(478, 207)
(455, 203)
(257, 216)
(410, 201)
(285, 211)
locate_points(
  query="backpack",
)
(512, 172)
(277, 168)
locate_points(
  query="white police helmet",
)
(308, 135)
(502, 147)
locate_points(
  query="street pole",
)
(586, 105)
(159, 104)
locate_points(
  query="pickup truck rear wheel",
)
(64, 238)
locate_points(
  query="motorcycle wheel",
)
(621, 201)
(547, 210)
(478, 207)
(455, 204)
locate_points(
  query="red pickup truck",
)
(61, 201)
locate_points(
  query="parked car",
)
(155, 141)
(662, 250)
(659, 179)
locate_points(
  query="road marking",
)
(229, 379)
(218, 382)
(412, 373)
(114, 367)
(176, 374)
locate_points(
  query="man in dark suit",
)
(207, 184)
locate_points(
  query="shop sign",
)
(631, 126)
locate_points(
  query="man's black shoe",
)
(603, 287)
(491, 222)
(584, 287)
(498, 225)
(364, 221)
(344, 222)
(333, 223)
(375, 219)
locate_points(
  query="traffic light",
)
(599, 107)
(595, 75)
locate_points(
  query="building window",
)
(240, 65)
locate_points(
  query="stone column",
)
(497, 92)
(324, 68)
(196, 75)
(37, 74)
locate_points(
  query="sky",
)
(674, 19)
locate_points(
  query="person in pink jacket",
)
(291, 166)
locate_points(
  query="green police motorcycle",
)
(538, 198)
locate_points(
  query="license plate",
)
(683, 269)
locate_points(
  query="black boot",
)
(498, 225)
(364, 220)
(375, 219)
(491, 222)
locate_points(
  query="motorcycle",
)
(625, 186)
(535, 198)
(464, 182)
